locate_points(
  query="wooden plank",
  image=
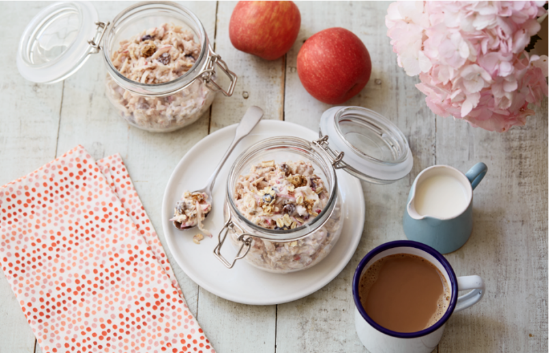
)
(87, 118)
(324, 321)
(235, 327)
(260, 80)
(29, 124)
(509, 242)
(508, 246)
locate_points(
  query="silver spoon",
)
(246, 125)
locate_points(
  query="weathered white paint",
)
(233, 327)
(261, 81)
(508, 247)
(29, 120)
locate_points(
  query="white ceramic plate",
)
(245, 283)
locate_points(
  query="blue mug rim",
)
(411, 244)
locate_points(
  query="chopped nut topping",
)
(309, 204)
(148, 49)
(297, 180)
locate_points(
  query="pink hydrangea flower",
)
(470, 57)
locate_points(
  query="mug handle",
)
(467, 300)
(476, 173)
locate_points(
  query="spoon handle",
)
(246, 125)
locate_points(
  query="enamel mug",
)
(445, 234)
(378, 339)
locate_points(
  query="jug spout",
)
(410, 208)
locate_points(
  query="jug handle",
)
(476, 173)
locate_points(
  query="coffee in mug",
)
(404, 293)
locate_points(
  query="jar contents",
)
(283, 196)
(159, 55)
(297, 255)
(191, 210)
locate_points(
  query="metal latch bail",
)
(96, 40)
(336, 157)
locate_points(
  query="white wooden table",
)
(508, 247)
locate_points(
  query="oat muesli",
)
(282, 196)
(159, 55)
(285, 196)
(191, 211)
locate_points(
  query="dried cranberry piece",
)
(146, 37)
(164, 58)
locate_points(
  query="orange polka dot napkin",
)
(86, 265)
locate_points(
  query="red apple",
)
(267, 29)
(334, 65)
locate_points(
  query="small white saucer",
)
(244, 283)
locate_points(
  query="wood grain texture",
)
(233, 327)
(324, 321)
(87, 118)
(508, 247)
(29, 122)
(260, 80)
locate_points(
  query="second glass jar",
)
(168, 106)
(283, 251)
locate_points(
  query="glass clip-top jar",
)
(61, 38)
(357, 140)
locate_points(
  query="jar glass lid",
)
(55, 44)
(374, 149)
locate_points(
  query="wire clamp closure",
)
(246, 240)
(96, 40)
(336, 157)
